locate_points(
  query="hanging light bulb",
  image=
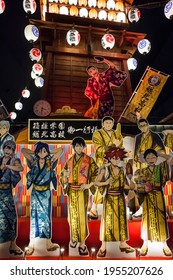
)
(102, 15)
(134, 15)
(37, 69)
(18, 106)
(108, 41)
(31, 33)
(144, 46)
(92, 3)
(121, 17)
(83, 12)
(72, 2)
(168, 10)
(39, 82)
(2, 6)
(73, 37)
(35, 54)
(29, 6)
(132, 64)
(63, 10)
(13, 115)
(25, 93)
(111, 5)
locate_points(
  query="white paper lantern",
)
(33, 75)
(13, 115)
(72, 2)
(63, 10)
(31, 33)
(35, 54)
(25, 93)
(132, 63)
(2, 6)
(144, 46)
(37, 69)
(39, 82)
(168, 10)
(92, 3)
(29, 6)
(102, 15)
(134, 15)
(83, 12)
(73, 37)
(111, 5)
(108, 41)
(121, 17)
(18, 106)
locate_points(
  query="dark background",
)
(15, 64)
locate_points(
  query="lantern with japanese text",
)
(102, 15)
(37, 69)
(83, 12)
(111, 5)
(18, 106)
(39, 82)
(13, 115)
(144, 46)
(73, 37)
(31, 33)
(35, 54)
(168, 10)
(134, 15)
(29, 6)
(25, 93)
(132, 64)
(2, 6)
(108, 41)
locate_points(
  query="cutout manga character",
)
(77, 177)
(41, 177)
(4, 134)
(10, 168)
(99, 90)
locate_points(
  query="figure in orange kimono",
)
(99, 90)
(103, 138)
(77, 177)
(152, 180)
(111, 182)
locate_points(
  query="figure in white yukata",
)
(4, 134)
(10, 168)
(41, 177)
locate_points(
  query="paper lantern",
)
(102, 15)
(18, 106)
(83, 3)
(73, 37)
(2, 6)
(53, 8)
(93, 13)
(112, 15)
(63, 1)
(111, 5)
(168, 10)
(101, 4)
(72, 2)
(35, 54)
(63, 10)
(73, 11)
(121, 17)
(29, 6)
(132, 63)
(144, 46)
(37, 69)
(83, 12)
(92, 3)
(134, 15)
(39, 82)
(13, 115)
(31, 33)
(33, 75)
(25, 93)
(119, 6)
(108, 41)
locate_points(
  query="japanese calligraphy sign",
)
(145, 95)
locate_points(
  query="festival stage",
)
(60, 235)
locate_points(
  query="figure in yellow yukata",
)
(154, 223)
(111, 181)
(103, 138)
(77, 177)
